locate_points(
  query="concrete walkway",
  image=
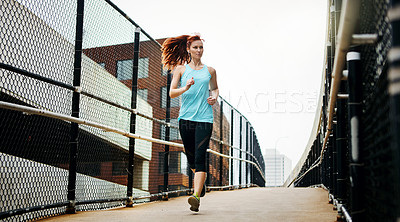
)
(252, 204)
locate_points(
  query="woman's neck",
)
(196, 64)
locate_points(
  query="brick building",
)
(152, 82)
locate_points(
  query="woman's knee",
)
(201, 167)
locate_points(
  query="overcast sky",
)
(268, 56)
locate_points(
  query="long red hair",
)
(174, 50)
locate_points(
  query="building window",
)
(184, 164)
(119, 168)
(177, 162)
(164, 72)
(143, 67)
(175, 102)
(173, 132)
(142, 93)
(102, 64)
(125, 69)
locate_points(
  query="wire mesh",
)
(381, 181)
(37, 37)
(379, 178)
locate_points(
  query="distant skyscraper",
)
(277, 167)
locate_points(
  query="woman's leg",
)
(202, 141)
(199, 180)
(187, 131)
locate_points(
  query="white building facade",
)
(277, 167)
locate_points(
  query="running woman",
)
(197, 84)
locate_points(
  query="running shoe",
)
(194, 203)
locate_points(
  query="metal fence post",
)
(315, 156)
(258, 175)
(247, 150)
(231, 160)
(340, 147)
(334, 162)
(331, 164)
(354, 107)
(240, 152)
(167, 136)
(221, 125)
(208, 177)
(133, 117)
(252, 155)
(394, 86)
(75, 109)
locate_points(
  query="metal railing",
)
(354, 148)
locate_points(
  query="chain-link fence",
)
(359, 163)
(86, 121)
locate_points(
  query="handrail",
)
(81, 91)
(236, 148)
(235, 158)
(134, 111)
(347, 26)
(51, 114)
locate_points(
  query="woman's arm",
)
(213, 87)
(177, 73)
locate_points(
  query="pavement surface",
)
(252, 204)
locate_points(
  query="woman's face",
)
(196, 49)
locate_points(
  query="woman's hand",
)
(189, 83)
(211, 100)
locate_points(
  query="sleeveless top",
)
(194, 104)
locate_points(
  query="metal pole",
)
(334, 163)
(133, 117)
(328, 79)
(340, 146)
(331, 168)
(75, 109)
(221, 125)
(167, 135)
(313, 173)
(208, 177)
(247, 150)
(258, 177)
(252, 152)
(354, 103)
(240, 152)
(231, 183)
(394, 91)
(315, 154)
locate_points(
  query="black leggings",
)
(196, 139)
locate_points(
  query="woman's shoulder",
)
(211, 70)
(180, 68)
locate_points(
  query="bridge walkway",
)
(252, 204)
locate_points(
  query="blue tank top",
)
(194, 104)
